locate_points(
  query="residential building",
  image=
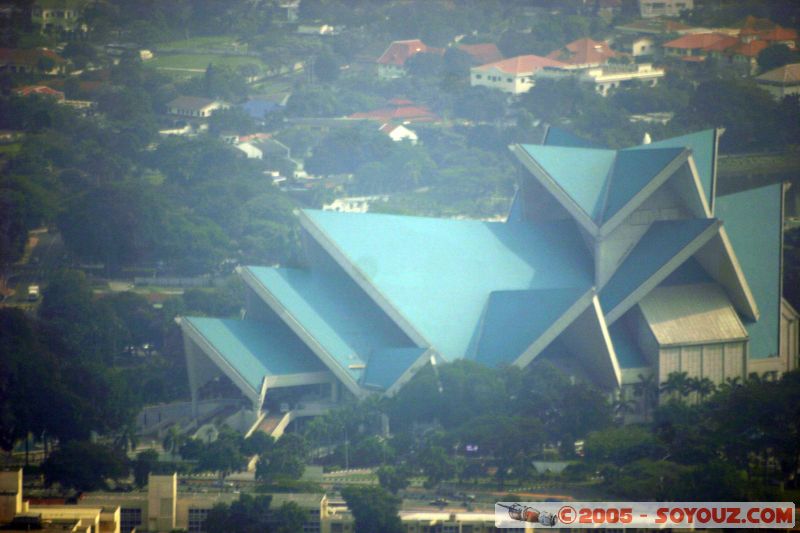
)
(354, 204)
(584, 53)
(39, 90)
(392, 63)
(606, 78)
(398, 133)
(31, 61)
(611, 264)
(782, 81)
(636, 45)
(58, 15)
(698, 46)
(514, 75)
(194, 106)
(664, 8)
(744, 55)
(398, 111)
(609, 77)
(656, 26)
(481, 53)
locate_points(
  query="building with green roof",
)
(613, 265)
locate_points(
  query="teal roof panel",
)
(633, 170)
(515, 319)
(628, 353)
(703, 146)
(752, 220)
(438, 273)
(689, 273)
(662, 241)
(255, 350)
(334, 311)
(386, 366)
(580, 172)
(559, 137)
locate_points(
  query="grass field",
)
(216, 42)
(9, 150)
(190, 62)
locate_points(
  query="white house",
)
(514, 75)
(398, 132)
(782, 81)
(194, 106)
(664, 8)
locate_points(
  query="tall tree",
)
(374, 509)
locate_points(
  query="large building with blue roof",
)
(613, 265)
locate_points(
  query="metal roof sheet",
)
(691, 314)
(703, 146)
(387, 365)
(753, 222)
(515, 319)
(662, 241)
(438, 273)
(334, 311)
(256, 350)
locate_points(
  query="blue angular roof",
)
(633, 170)
(601, 182)
(582, 173)
(334, 312)
(703, 145)
(515, 319)
(386, 366)
(752, 220)
(555, 136)
(438, 273)
(255, 350)
(663, 240)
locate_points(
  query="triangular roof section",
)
(584, 51)
(514, 320)
(787, 74)
(594, 184)
(704, 146)
(521, 65)
(398, 52)
(555, 136)
(387, 367)
(434, 276)
(665, 246)
(252, 354)
(337, 322)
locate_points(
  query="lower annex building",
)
(613, 265)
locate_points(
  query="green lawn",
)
(216, 42)
(199, 61)
(9, 150)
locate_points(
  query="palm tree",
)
(730, 384)
(174, 439)
(127, 438)
(623, 407)
(676, 383)
(705, 387)
(647, 389)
